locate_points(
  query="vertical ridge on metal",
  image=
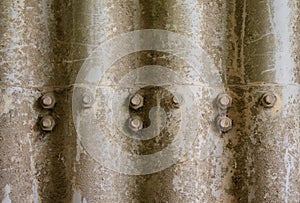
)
(246, 49)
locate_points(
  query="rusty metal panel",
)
(93, 56)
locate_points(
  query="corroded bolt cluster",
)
(135, 123)
(48, 101)
(47, 123)
(224, 101)
(87, 100)
(269, 99)
(136, 101)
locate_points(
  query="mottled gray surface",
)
(255, 46)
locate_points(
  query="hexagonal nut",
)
(135, 124)
(224, 101)
(136, 101)
(177, 101)
(224, 123)
(48, 101)
(268, 100)
(47, 123)
(88, 100)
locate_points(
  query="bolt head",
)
(175, 100)
(136, 101)
(87, 100)
(47, 123)
(225, 123)
(269, 99)
(224, 101)
(135, 123)
(48, 101)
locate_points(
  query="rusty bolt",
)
(47, 123)
(137, 101)
(48, 101)
(224, 101)
(224, 123)
(269, 99)
(135, 123)
(176, 101)
(87, 100)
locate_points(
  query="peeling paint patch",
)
(284, 63)
(35, 191)
(289, 162)
(32, 166)
(5, 104)
(6, 195)
(77, 198)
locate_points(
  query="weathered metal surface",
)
(266, 140)
(253, 44)
(32, 161)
